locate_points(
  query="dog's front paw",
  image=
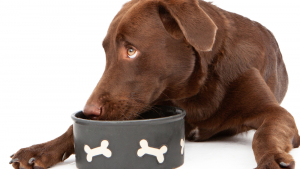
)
(39, 156)
(276, 161)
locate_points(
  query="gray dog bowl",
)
(155, 141)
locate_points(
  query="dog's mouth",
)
(133, 113)
(116, 110)
(150, 112)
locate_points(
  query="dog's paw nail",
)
(14, 160)
(31, 161)
(64, 156)
(283, 164)
(12, 155)
(289, 166)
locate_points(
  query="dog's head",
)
(152, 55)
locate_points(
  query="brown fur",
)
(225, 70)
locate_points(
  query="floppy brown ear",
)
(188, 18)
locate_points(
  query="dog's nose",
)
(92, 111)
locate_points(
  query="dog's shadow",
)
(69, 163)
(219, 143)
(244, 138)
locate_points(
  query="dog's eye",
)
(131, 53)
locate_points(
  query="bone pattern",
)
(182, 146)
(145, 149)
(102, 150)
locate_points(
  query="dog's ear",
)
(186, 18)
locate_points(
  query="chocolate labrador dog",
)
(225, 70)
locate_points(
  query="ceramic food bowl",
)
(156, 141)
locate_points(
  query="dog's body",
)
(225, 70)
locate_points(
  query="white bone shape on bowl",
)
(102, 150)
(159, 153)
(182, 145)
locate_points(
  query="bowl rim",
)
(181, 114)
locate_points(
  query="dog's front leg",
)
(276, 131)
(42, 156)
(274, 138)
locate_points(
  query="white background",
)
(52, 58)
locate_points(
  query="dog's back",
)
(245, 44)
